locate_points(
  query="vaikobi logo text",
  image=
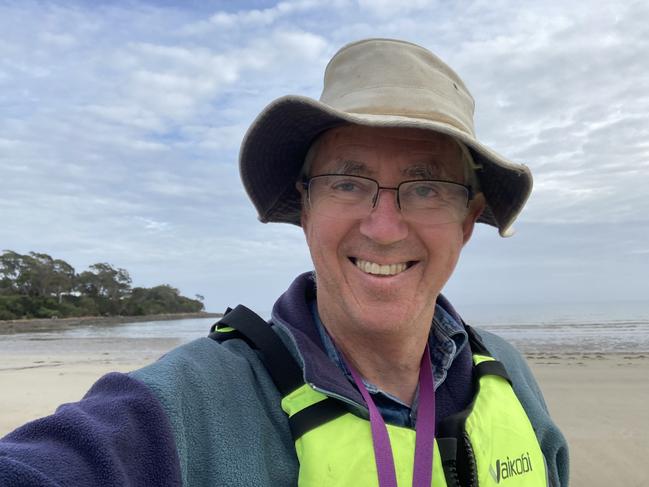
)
(507, 468)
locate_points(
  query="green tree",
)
(39, 273)
(159, 300)
(15, 272)
(63, 278)
(107, 285)
(10, 263)
(104, 280)
(36, 275)
(48, 276)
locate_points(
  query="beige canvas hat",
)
(375, 83)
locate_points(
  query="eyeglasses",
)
(423, 201)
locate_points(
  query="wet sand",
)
(599, 400)
(60, 324)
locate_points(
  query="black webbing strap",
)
(488, 367)
(221, 336)
(491, 367)
(279, 362)
(281, 366)
(313, 416)
(215, 326)
(447, 448)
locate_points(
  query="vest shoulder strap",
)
(486, 367)
(315, 415)
(242, 322)
(491, 367)
(475, 342)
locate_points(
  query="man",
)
(367, 376)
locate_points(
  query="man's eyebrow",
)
(423, 171)
(352, 167)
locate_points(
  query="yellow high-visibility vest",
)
(489, 444)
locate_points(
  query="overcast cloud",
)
(120, 125)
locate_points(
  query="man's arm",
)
(118, 434)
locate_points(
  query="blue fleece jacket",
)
(208, 414)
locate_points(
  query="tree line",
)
(36, 285)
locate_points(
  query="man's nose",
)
(385, 224)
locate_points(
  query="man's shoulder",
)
(198, 361)
(497, 346)
(505, 352)
(218, 397)
(523, 380)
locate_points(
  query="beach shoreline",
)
(597, 399)
(58, 324)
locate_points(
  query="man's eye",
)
(426, 191)
(345, 187)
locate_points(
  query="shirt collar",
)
(446, 340)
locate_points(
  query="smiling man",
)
(387, 179)
(365, 374)
(384, 241)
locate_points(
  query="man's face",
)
(423, 255)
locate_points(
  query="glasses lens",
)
(433, 202)
(341, 195)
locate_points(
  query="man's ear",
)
(476, 207)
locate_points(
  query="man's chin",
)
(383, 317)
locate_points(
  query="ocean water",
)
(617, 327)
(184, 330)
(569, 328)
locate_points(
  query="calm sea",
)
(620, 327)
(577, 328)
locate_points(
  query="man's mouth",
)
(381, 269)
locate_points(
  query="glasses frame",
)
(307, 181)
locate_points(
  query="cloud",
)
(385, 8)
(121, 125)
(253, 18)
(59, 40)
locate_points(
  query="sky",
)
(120, 125)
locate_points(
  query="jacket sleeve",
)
(118, 434)
(553, 443)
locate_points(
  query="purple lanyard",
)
(422, 473)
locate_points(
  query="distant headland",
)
(38, 289)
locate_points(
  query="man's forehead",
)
(423, 153)
(414, 170)
(350, 135)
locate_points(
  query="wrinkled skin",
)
(355, 305)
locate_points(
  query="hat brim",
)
(273, 151)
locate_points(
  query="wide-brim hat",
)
(374, 83)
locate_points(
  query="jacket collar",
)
(293, 315)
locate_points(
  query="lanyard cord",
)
(422, 472)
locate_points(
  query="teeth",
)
(381, 270)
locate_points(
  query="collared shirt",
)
(446, 340)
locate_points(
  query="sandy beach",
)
(600, 403)
(599, 400)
